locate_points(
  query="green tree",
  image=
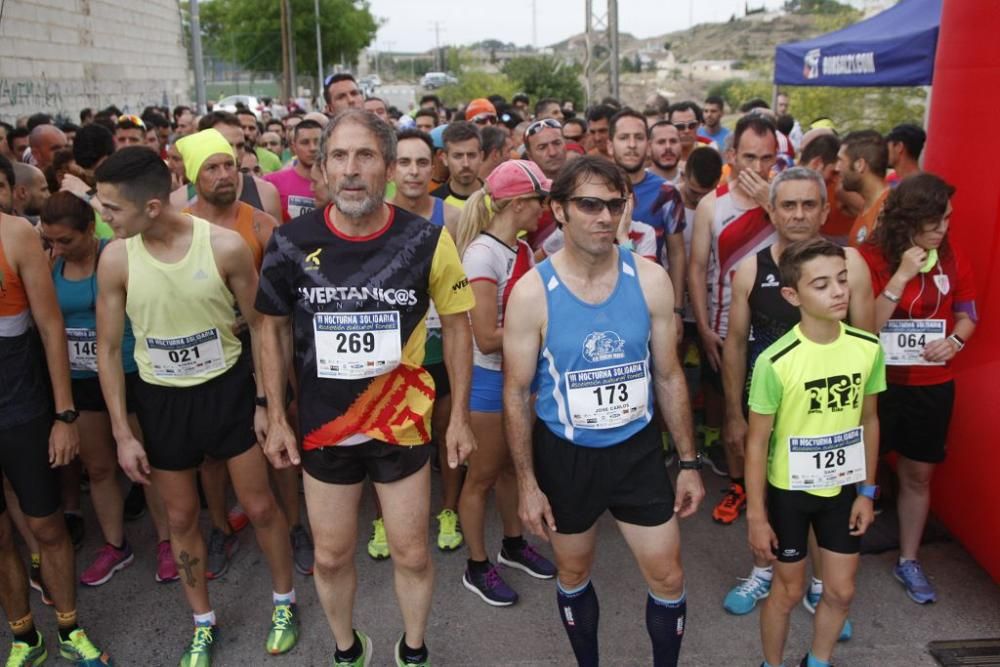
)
(248, 32)
(545, 76)
(475, 84)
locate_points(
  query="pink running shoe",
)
(109, 560)
(166, 568)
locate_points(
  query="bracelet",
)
(889, 295)
(957, 340)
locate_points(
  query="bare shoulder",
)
(264, 221)
(225, 242)
(179, 198)
(707, 204)
(652, 277)
(265, 187)
(746, 269)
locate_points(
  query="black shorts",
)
(629, 479)
(442, 386)
(709, 376)
(350, 464)
(24, 459)
(87, 395)
(913, 421)
(792, 512)
(183, 425)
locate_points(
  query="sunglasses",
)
(693, 125)
(131, 120)
(594, 205)
(540, 125)
(484, 119)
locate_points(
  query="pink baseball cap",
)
(515, 178)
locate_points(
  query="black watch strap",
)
(694, 464)
(260, 401)
(67, 416)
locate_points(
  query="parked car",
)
(433, 80)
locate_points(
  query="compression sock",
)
(665, 624)
(579, 612)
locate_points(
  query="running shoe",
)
(810, 600)
(109, 560)
(79, 650)
(918, 586)
(166, 568)
(237, 518)
(378, 545)
(284, 632)
(35, 581)
(76, 527)
(303, 551)
(135, 503)
(199, 653)
(528, 560)
(221, 548)
(362, 660)
(728, 509)
(400, 662)
(23, 655)
(490, 586)
(449, 534)
(744, 596)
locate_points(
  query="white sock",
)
(764, 573)
(284, 598)
(816, 587)
(205, 619)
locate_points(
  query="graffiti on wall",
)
(67, 97)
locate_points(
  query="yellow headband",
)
(197, 148)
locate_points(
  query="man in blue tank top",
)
(594, 446)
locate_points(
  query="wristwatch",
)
(67, 416)
(260, 401)
(695, 464)
(870, 491)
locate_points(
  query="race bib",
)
(903, 341)
(186, 356)
(822, 461)
(607, 397)
(299, 205)
(351, 346)
(82, 349)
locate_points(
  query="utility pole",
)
(291, 49)
(534, 24)
(319, 56)
(286, 88)
(600, 65)
(438, 56)
(199, 65)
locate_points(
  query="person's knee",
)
(182, 519)
(410, 555)
(667, 582)
(49, 531)
(838, 594)
(331, 560)
(261, 508)
(918, 481)
(479, 482)
(6, 532)
(573, 575)
(786, 590)
(101, 469)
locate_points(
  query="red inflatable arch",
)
(964, 150)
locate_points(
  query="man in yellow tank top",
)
(179, 279)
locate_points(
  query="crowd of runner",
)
(556, 307)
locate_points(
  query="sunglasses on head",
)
(594, 205)
(540, 125)
(485, 119)
(692, 125)
(131, 120)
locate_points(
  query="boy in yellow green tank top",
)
(812, 447)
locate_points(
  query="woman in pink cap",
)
(495, 258)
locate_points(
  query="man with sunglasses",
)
(594, 447)
(463, 155)
(687, 118)
(481, 112)
(545, 146)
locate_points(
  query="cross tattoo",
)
(187, 564)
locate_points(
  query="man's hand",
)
(712, 343)
(763, 541)
(755, 187)
(535, 511)
(132, 459)
(862, 515)
(260, 423)
(625, 223)
(280, 446)
(74, 185)
(460, 442)
(690, 492)
(64, 443)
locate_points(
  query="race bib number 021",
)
(904, 340)
(82, 349)
(607, 397)
(186, 356)
(351, 346)
(822, 461)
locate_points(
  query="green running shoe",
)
(378, 545)
(398, 653)
(23, 655)
(284, 632)
(362, 660)
(449, 534)
(81, 651)
(199, 654)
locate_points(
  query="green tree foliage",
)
(248, 32)
(546, 76)
(473, 84)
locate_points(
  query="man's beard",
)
(635, 169)
(220, 199)
(666, 167)
(360, 209)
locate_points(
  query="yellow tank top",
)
(182, 314)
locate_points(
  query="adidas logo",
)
(199, 275)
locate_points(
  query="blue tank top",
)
(78, 303)
(437, 215)
(593, 378)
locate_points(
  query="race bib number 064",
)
(351, 346)
(904, 341)
(823, 461)
(607, 397)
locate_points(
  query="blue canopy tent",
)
(893, 48)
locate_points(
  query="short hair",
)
(704, 166)
(336, 78)
(16, 133)
(717, 101)
(612, 102)
(34, 120)
(65, 208)
(385, 134)
(415, 133)
(797, 174)
(585, 168)
(520, 97)
(544, 102)
(759, 125)
(427, 113)
(274, 121)
(461, 130)
(376, 98)
(800, 252)
(180, 110)
(785, 124)
(69, 127)
(7, 169)
(243, 111)
(687, 105)
(627, 112)
(493, 139)
(660, 103)
(601, 112)
(138, 172)
(911, 136)
(86, 114)
(431, 98)
(92, 143)
(213, 118)
(868, 145)
(156, 120)
(825, 147)
(306, 124)
(576, 121)
(755, 103)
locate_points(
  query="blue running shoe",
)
(918, 587)
(490, 586)
(528, 560)
(810, 600)
(744, 596)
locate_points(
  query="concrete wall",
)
(59, 56)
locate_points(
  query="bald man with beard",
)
(45, 141)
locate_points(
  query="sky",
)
(510, 20)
